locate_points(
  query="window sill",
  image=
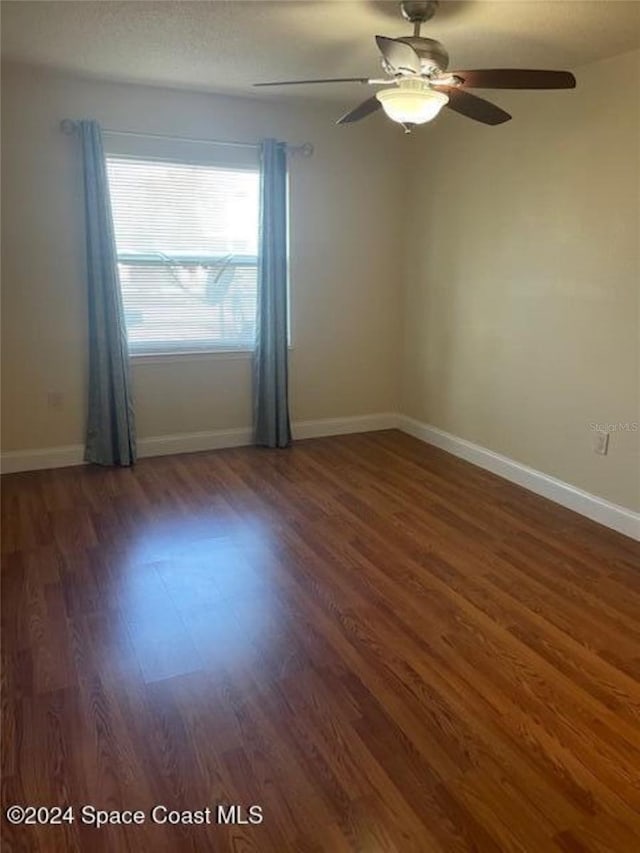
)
(203, 355)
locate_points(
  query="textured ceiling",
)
(225, 46)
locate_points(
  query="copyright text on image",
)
(161, 815)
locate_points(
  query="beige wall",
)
(345, 242)
(523, 276)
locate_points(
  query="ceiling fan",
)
(420, 84)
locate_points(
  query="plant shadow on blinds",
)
(187, 243)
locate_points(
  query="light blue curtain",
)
(110, 438)
(271, 404)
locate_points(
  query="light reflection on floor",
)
(192, 601)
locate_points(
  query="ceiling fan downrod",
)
(418, 12)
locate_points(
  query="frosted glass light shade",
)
(412, 102)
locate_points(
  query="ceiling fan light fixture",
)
(412, 102)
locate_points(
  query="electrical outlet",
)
(601, 442)
(55, 399)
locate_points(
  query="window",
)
(187, 242)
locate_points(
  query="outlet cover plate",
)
(601, 443)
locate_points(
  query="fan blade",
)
(516, 78)
(399, 55)
(362, 111)
(305, 82)
(472, 106)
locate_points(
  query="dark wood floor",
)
(386, 648)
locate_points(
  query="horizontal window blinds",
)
(187, 241)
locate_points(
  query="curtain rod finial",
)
(305, 150)
(68, 126)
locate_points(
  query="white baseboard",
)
(43, 458)
(191, 442)
(342, 426)
(598, 509)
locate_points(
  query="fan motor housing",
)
(433, 56)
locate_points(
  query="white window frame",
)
(193, 351)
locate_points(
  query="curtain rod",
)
(69, 127)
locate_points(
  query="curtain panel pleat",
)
(271, 405)
(110, 435)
